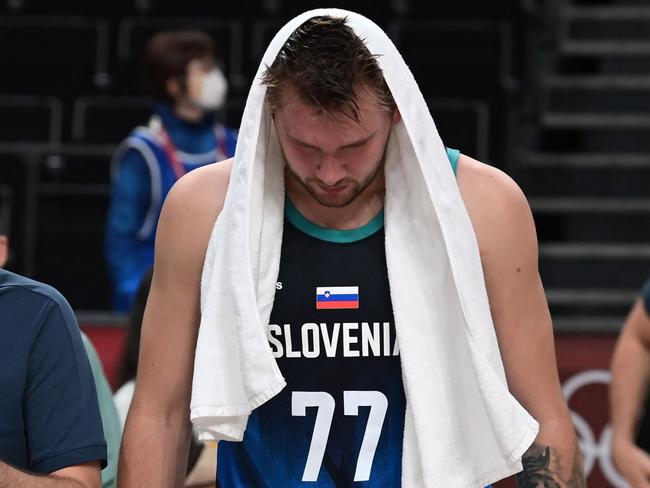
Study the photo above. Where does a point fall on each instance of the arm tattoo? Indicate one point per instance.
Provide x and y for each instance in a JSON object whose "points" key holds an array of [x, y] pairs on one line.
{"points": [[542, 470]]}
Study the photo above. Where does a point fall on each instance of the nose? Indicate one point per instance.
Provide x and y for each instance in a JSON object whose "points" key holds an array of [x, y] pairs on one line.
{"points": [[330, 171]]}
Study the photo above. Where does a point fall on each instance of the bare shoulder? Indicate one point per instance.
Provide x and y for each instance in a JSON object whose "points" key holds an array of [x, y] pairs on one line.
{"points": [[197, 198], [189, 213], [496, 205], [486, 189], [202, 190]]}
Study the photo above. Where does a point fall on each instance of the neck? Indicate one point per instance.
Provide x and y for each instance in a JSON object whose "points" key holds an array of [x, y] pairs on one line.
{"points": [[357, 213], [188, 112]]}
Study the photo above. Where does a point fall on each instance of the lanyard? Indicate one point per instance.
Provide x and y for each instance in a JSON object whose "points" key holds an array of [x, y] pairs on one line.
{"points": [[222, 143], [172, 154]]}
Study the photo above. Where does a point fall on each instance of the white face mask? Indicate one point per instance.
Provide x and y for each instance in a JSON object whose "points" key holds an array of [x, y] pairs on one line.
{"points": [[214, 88]]}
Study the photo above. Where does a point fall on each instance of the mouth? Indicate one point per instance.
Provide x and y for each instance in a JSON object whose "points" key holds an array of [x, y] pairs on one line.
{"points": [[332, 190]]}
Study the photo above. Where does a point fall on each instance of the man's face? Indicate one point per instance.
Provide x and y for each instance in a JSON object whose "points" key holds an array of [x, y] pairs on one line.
{"points": [[333, 157], [195, 73]]}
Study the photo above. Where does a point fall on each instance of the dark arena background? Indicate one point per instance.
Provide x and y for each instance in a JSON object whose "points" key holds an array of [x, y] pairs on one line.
{"points": [[554, 92]]}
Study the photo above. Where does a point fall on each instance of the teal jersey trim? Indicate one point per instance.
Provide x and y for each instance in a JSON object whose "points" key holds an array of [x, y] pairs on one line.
{"points": [[332, 235], [454, 156], [352, 235]]}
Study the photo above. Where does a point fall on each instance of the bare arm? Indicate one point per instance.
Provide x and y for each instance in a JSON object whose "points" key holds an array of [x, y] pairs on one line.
{"points": [[85, 475], [157, 431], [630, 376], [508, 244]]}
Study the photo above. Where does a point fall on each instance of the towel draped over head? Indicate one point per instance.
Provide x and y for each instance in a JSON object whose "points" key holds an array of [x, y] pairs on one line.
{"points": [[463, 428]]}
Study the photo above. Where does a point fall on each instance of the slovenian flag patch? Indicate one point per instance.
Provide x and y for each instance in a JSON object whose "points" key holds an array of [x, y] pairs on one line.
{"points": [[337, 297]]}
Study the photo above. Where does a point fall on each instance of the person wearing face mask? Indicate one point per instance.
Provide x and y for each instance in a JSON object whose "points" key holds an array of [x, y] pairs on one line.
{"points": [[182, 135]]}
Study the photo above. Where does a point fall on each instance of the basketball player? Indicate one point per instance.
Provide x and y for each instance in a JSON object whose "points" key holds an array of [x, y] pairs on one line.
{"points": [[333, 114]]}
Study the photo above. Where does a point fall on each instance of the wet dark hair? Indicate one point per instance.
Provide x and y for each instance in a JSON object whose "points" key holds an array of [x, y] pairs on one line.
{"points": [[325, 62], [167, 55]]}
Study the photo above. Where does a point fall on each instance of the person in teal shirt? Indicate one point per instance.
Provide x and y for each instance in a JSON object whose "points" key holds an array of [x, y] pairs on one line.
{"points": [[110, 418]]}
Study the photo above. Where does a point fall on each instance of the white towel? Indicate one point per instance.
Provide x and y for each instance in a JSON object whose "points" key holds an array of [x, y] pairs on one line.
{"points": [[463, 427]]}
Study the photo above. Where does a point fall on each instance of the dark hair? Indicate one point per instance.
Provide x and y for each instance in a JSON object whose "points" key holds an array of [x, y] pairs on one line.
{"points": [[131, 350], [325, 61], [167, 55]]}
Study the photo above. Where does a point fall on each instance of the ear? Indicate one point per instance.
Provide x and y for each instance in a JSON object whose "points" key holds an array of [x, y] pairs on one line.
{"points": [[4, 250], [173, 87], [397, 116]]}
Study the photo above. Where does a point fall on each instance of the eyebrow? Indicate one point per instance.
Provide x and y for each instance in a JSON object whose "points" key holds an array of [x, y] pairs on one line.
{"points": [[358, 143]]}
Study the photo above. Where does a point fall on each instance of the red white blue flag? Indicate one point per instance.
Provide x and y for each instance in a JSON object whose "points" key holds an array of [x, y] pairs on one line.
{"points": [[337, 297]]}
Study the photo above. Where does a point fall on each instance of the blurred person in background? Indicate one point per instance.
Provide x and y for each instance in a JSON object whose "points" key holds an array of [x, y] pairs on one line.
{"points": [[107, 410], [629, 392], [202, 458], [183, 134]]}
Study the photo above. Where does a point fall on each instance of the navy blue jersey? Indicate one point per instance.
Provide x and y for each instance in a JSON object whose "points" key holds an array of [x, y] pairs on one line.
{"points": [[340, 420]]}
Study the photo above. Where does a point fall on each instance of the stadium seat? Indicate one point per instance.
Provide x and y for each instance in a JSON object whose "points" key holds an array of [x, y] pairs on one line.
{"points": [[90, 166], [456, 58], [101, 8], [463, 59], [261, 35], [108, 119], [241, 9], [72, 198], [457, 9], [53, 55], [30, 119], [462, 124], [69, 250], [374, 9]]}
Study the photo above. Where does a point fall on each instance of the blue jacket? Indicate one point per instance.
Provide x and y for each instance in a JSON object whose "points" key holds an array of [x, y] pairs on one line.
{"points": [[143, 174]]}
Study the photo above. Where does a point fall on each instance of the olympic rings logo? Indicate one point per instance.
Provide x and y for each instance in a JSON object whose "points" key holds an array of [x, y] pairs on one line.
{"points": [[593, 450]]}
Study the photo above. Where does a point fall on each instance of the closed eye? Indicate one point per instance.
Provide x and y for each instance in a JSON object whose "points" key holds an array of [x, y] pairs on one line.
{"points": [[359, 143], [355, 145]]}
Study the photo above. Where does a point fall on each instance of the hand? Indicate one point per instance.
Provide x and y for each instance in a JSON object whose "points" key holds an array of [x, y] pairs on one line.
{"points": [[633, 463]]}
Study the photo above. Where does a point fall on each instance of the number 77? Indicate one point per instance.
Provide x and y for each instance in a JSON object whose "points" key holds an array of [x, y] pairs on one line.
{"points": [[325, 403]]}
